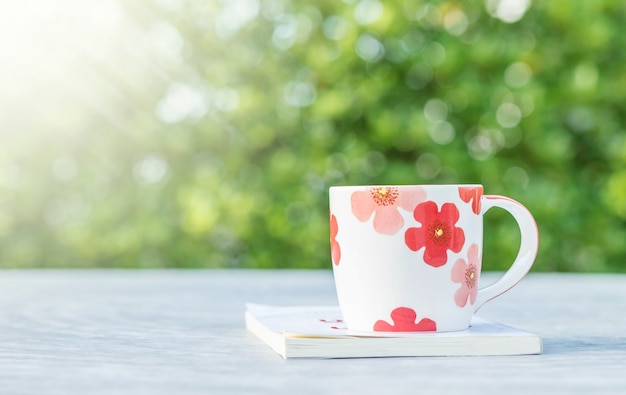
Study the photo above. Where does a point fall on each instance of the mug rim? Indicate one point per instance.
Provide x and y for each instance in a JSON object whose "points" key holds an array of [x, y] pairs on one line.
{"points": [[404, 186]]}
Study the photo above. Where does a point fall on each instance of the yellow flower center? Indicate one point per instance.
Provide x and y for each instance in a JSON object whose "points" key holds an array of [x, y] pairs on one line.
{"points": [[384, 196], [439, 233], [470, 276]]}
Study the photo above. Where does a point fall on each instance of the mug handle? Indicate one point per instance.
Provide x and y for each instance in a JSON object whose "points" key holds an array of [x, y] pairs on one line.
{"points": [[527, 251]]}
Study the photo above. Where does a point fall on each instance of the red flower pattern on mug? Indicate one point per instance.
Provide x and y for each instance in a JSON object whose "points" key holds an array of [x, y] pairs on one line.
{"points": [[472, 194], [404, 321], [335, 249], [384, 202], [467, 273], [437, 234]]}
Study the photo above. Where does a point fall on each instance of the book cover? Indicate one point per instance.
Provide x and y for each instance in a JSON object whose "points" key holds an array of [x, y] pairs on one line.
{"points": [[319, 332]]}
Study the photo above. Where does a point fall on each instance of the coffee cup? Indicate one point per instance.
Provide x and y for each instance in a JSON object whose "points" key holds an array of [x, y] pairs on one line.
{"points": [[408, 258]]}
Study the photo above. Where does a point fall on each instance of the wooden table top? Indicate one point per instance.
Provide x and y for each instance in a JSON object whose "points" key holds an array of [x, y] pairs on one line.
{"points": [[182, 332]]}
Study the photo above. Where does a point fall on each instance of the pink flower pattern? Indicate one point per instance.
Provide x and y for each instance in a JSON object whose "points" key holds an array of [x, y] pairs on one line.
{"points": [[467, 273], [335, 249], [437, 234], [384, 202], [404, 321], [472, 194]]}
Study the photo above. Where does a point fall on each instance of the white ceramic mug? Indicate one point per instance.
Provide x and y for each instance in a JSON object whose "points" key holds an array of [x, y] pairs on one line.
{"points": [[407, 258]]}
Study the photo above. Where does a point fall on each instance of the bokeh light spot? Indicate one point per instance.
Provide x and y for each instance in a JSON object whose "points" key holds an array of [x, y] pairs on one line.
{"points": [[517, 74], [516, 177], [284, 35], [484, 143], [428, 166], [335, 27], [369, 48], [580, 119], [374, 163], [435, 110], [509, 11], [182, 101], [585, 77], [434, 53], [455, 21], [299, 94], [234, 15], [508, 115], [168, 41], [368, 11], [442, 132], [151, 169]]}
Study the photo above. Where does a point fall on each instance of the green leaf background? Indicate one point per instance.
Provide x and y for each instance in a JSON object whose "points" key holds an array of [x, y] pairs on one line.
{"points": [[196, 133]]}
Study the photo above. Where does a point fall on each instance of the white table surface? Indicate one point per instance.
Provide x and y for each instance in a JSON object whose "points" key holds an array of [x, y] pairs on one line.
{"points": [[182, 332]]}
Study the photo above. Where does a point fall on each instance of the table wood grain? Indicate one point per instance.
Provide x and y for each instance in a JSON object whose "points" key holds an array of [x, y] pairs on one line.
{"points": [[182, 332]]}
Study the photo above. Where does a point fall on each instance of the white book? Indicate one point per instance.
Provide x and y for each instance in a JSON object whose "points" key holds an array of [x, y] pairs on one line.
{"points": [[318, 332]]}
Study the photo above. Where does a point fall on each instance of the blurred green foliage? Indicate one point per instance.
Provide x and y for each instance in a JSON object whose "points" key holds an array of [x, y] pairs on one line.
{"points": [[208, 132]]}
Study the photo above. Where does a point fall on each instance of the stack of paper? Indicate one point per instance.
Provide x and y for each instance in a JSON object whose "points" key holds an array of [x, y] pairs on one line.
{"points": [[318, 332]]}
